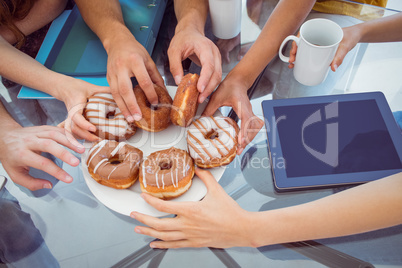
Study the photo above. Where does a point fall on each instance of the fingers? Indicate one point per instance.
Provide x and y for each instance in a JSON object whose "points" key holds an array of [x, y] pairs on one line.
{"points": [[30, 182], [145, 83], [163, 235], [42, 163], [82, 133], [176, 67], [213, 105], [211, 74], [172, 244], [206, 176], [292, 55], [49, 142], [339, 56], [77, 125], [162, 205], [163, 224], [155, 75], [59, 135], [125, 98], [249, 129]]}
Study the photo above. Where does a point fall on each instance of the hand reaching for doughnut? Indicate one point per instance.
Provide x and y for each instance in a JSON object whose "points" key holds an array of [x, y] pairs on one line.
{"points": [[194, 45], [75, 99], [21, 149], [197, 224], [232, 93], [127, 58]]}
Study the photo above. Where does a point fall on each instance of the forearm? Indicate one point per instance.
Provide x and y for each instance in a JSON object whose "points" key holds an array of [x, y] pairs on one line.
{"points": [[105, 19], [191, 14], [21, 68], [367, 207], [387, 29], [280, 24]]}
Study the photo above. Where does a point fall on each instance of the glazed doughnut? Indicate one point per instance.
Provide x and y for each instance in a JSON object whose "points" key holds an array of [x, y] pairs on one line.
{"points": [[185, 101], [212, 141], [114, 164], [167, 174], [154, 119], [101, 110]]}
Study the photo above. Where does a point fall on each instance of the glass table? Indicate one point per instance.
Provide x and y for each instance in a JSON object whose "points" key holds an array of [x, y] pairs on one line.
{"points": [[79, 231]]}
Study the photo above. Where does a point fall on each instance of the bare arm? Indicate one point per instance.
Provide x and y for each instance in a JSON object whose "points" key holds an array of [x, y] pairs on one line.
{"points": [[126, 56], [21, 68], [364, 208], [387, 29], [189, 41], [284, 20], [367, 207]]}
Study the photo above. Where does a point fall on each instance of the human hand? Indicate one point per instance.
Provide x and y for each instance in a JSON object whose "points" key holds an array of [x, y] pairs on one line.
{"points": [[197, 224], [127, 58], [75, 98], [21, 149], [194, 45], [231, 92], [349, 41]]}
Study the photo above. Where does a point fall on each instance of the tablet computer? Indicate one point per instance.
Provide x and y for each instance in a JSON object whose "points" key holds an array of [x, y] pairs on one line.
{"points": [[331, 141]]}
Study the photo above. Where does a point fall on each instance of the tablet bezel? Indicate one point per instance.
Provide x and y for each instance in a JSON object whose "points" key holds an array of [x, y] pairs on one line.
{"points": [[282, 183]]}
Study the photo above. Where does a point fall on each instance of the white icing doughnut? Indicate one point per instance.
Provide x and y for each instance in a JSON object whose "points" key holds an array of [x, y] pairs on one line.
{"points": [[212, 141], [102, 111]]}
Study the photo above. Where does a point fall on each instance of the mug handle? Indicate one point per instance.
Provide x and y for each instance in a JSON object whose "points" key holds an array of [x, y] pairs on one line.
{"points": [[287, 39]]}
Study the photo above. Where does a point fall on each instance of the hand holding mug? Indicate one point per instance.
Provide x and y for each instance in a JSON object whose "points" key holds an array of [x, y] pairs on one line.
{"points": [[316, 47]]}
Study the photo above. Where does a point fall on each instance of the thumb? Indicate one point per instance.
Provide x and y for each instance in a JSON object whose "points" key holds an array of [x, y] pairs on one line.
{"points": [[211, 107], [31, 183], [207, 178], [176, 67]]}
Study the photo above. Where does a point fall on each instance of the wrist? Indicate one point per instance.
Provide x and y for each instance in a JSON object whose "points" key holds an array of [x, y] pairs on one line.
{"points": [[192, 21], [118, 34], [239, 78]]}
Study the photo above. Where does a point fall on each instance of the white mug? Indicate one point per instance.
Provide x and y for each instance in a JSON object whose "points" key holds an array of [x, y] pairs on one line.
{"points": [[316, 48], [225, 17]]}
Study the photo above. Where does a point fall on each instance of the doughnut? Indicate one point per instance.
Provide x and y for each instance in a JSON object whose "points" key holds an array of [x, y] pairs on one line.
{"points": [[101, 110], [156, 118], [167, 174], [114, 164], [212, 141], [185, 101]]}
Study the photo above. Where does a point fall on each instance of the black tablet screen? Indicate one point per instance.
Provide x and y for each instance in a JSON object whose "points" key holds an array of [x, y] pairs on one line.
{"points": [[334, 138]]}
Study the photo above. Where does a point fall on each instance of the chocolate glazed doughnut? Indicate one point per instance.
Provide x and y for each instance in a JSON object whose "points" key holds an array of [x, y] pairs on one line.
{"points": [[156, 118], [114, 164], [167, 174], [185, 101]]}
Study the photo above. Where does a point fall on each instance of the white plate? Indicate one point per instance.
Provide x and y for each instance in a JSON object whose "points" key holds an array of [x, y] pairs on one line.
{"points": [[127, 200]]}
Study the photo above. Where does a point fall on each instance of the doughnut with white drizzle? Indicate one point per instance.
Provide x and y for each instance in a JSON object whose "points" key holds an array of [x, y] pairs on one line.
{"points": [[167, 174], [114, 164]]}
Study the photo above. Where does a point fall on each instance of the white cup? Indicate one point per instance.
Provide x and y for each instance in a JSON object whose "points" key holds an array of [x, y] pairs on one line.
{"points": [[225, 17], [316, 48]]}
